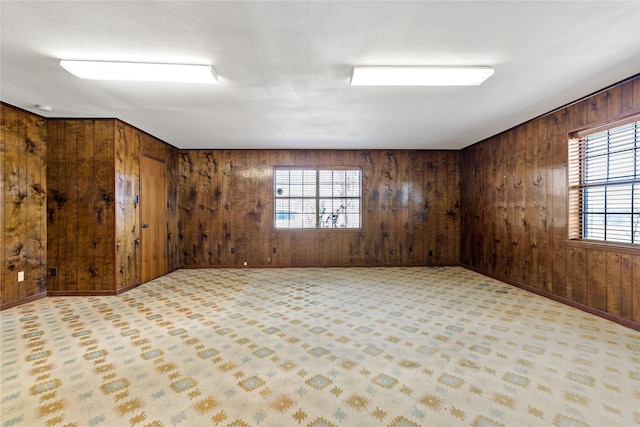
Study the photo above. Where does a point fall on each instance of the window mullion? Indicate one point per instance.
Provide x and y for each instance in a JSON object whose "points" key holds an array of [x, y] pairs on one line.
{"points": [[606, 188], [635, 177], [317, 198]]}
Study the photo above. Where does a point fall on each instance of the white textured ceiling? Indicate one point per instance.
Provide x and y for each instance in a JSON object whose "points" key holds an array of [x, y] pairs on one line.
{"points": [[284, 66]]}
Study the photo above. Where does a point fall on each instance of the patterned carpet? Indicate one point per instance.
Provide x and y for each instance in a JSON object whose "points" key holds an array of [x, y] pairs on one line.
{"points": [[316, 347]]}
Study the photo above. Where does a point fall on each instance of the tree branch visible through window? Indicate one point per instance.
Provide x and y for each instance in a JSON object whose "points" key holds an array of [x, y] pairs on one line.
{"points": [[317, 198]]}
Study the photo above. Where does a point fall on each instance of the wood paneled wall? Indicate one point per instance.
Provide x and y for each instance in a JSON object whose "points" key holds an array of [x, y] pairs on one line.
{"points": [[93, 178], [80, 205], [23, 224], [127, 173], [514, 210], [410, 210]]}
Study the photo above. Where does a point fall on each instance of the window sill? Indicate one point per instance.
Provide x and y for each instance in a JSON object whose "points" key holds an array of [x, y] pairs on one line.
{"points": [[317, 230], [625, 248]]}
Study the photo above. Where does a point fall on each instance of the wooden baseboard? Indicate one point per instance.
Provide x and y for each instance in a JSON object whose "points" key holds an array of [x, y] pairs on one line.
{"points": [[91, 293], [23, 300], [79, 293], [193, 267], [619, 320], [127, 288]]}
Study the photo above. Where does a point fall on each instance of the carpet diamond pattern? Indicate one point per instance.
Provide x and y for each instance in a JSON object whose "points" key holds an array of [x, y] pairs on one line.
{"points": [[316, 347]]}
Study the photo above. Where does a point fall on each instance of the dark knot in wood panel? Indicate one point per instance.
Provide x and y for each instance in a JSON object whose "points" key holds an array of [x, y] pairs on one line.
{"points": [[37, 188], [20, 197], [253, 215], [30, 145], [59, 199], [99, 214], [108, 198]]}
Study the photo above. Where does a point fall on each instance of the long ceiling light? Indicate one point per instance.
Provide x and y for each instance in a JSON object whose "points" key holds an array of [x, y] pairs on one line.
{"points": [[419, 76], [141, 72]]}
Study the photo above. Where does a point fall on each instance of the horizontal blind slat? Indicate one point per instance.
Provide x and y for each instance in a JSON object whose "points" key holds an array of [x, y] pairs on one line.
{"points": [[604, 185]]}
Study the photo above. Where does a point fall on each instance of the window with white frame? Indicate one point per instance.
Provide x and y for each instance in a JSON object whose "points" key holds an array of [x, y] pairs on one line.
{"points": [[604, 183], [328, 197]]}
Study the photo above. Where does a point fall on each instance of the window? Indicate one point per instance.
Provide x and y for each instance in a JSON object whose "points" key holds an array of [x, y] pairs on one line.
{"points": [[604, 184], [317, 198]]}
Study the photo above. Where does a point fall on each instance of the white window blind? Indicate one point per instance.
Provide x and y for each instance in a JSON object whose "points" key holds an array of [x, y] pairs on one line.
{"points": [[605, 185], [317, 198]]}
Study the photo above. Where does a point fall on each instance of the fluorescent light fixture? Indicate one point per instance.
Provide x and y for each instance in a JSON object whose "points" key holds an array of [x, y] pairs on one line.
{"points": [[141, 72], [419, 76]]}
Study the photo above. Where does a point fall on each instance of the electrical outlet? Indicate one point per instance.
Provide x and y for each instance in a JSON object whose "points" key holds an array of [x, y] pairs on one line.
{"points": [[20, 276], [245, 263], [430, 253], [54, 272], [233, 250], [410, 249]]}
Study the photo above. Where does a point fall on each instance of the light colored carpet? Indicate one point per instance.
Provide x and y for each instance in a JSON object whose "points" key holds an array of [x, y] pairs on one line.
{"points": [[317, 347]]}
